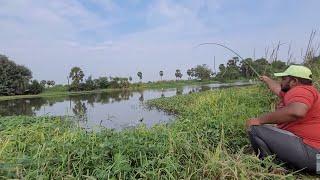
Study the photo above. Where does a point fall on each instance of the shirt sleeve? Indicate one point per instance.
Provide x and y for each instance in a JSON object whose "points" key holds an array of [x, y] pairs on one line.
{"points": [[301, 95]]}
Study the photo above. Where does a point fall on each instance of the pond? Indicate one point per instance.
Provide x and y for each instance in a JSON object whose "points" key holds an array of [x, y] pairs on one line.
{"points": [[115, 110]]}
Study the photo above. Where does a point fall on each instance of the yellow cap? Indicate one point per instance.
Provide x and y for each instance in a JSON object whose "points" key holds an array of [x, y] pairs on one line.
{"points": [[296, 71]]}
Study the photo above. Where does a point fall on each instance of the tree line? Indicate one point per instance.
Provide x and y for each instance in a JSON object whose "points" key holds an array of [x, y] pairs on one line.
{"points": [[17, 79], [236, 69], [80, 83]]}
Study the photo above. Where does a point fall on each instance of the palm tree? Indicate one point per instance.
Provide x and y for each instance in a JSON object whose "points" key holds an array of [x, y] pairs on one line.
{"points": [[140, 75], [189, 72], [178, 74], [51, 83], [43, 83], [76, 74], [161, 74]]}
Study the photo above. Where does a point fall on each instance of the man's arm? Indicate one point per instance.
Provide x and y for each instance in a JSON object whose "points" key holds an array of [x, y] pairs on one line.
{"points": [[273, 85], [292, 112]]}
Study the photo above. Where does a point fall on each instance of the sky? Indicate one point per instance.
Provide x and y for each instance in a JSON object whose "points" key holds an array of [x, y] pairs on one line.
{"points": [[120, 38]]}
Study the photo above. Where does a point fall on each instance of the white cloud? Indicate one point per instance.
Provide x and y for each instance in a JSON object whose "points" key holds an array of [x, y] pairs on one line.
{"points": [[52, 36]]}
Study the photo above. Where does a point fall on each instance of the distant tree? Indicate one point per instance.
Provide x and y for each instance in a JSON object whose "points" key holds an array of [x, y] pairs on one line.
{"points": [[278, 66], [213, 74], [189, 73], [193, 73], [51, 83], [262, 66], [35, 87], [14, 79], [101, 82], [245, 69], [139, 74], [130, 78], [90, 84], [124, 83], [222, 68], [202, 72], [232, 69], [119, 82], [43, 83], [178, 74], [77, 75], [161, 74], [248, 68]]}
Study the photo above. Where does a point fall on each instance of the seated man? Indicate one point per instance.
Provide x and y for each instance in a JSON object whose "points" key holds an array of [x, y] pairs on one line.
{"points": [[295, 139]]}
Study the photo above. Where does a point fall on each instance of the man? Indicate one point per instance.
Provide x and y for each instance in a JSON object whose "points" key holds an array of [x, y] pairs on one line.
{"points": [[295, 137]]}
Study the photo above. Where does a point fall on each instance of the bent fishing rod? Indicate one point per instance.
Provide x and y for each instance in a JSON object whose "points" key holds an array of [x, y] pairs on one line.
{"points": [[234, 52]]}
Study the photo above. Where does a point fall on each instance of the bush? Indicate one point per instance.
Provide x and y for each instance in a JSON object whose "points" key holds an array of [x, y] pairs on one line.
{"points": [[90, 84], [102, 82], [14, 78], [35, 87]]}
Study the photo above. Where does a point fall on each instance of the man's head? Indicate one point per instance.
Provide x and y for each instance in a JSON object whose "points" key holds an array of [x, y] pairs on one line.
{"points": [[293, 76]]}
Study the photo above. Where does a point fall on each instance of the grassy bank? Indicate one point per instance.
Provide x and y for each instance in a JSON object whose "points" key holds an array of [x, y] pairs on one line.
{"points": [[207, 141], [60, 90]]}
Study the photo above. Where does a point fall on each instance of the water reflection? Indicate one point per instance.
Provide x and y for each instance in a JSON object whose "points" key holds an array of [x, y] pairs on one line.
{"points": [[162, 94], [117, 109], [204, 88], [179, 91], [21, 106], [77, 103], [141, 98], [80, 110]]}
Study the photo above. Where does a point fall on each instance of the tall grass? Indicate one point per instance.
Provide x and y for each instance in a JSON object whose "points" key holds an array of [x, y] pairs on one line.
{"points": [[207, 141]]}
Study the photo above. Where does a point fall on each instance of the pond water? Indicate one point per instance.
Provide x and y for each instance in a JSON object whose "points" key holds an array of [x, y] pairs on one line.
{"points": [[115, 110]]}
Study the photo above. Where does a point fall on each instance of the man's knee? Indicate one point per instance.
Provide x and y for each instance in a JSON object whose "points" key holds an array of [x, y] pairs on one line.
{"points": [[259, 145], [267, 131], [252, 130]]}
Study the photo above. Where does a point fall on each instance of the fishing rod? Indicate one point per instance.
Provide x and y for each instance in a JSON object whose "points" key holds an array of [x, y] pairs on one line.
{"points": [[237, 54]]}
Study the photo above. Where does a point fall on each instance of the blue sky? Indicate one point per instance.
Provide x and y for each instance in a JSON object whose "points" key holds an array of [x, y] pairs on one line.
{"points": [[120, 38]]}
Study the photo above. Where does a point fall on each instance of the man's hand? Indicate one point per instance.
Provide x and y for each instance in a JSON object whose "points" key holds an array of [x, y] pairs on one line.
{"points": [[273, 85], [253, 122], [264, 78]]}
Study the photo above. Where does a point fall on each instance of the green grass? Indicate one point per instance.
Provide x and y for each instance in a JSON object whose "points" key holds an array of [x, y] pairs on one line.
{"points": [[207, 141], [170, 84]]}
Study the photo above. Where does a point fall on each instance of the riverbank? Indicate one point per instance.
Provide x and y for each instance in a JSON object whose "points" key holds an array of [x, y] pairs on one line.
{"points": [[207, 141], [60, 90]]}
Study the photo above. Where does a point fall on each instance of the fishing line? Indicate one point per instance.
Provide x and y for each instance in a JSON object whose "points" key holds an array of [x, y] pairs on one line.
{"points": [[234, 52]]}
